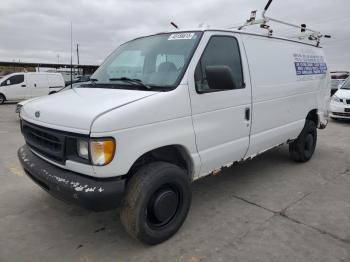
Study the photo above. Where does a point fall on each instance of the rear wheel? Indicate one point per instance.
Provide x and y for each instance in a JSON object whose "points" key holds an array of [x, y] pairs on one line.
{"points": [[156, 203], [2, 99], [302, 149]]}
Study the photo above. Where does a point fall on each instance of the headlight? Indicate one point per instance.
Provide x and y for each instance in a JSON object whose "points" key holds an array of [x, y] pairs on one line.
{"points": [[83, 149], [335, 99], [99, 151], [102, 151]]}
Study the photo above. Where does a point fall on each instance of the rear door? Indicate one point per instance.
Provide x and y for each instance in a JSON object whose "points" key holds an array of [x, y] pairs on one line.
{"points": [[56, 82], [221, 119]]}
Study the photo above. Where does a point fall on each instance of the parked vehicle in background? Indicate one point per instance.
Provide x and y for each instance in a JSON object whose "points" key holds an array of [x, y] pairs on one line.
{"points": [[79, 79], [337, 80], [20, 86], [340, 102]]}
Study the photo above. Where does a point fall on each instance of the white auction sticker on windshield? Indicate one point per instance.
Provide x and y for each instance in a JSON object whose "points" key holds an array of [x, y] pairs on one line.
{"points": [[181, 36]]}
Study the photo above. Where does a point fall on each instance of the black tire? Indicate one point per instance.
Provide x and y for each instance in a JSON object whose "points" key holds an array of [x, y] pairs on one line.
{"points": [[2, 99], [156, 202], [302, 149]]}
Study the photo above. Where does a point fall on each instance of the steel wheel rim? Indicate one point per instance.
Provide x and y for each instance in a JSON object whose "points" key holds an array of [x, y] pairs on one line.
{"points": [[163, 206]]}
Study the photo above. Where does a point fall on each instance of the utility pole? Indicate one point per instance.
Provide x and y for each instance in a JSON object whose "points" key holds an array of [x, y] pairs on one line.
{"points": [[71, 54], [78, 58], [78, 53]]}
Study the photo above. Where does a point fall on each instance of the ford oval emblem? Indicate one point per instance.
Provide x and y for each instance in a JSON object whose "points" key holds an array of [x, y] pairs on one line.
{"points": [[37, 114]]}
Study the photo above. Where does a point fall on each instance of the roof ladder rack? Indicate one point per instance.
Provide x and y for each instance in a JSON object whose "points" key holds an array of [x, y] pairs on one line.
{"points": [[306, 33]]}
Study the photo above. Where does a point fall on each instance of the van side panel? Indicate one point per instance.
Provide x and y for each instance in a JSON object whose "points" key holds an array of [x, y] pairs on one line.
{"points": [[282, 96]]}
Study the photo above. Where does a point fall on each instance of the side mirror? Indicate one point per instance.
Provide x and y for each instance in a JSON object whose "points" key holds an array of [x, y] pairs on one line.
{"points": [[8, 82], [220, 77]]}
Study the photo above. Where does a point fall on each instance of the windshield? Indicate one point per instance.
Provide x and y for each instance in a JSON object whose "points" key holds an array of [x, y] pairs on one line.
{"points": [[346, 85], [154, 61]]}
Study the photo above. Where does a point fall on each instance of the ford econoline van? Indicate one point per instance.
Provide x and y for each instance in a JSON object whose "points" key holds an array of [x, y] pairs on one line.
{"points": [[20, 86], [167, 109]]}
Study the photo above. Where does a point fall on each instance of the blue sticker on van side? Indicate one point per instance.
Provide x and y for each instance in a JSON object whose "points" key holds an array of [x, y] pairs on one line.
{"points": [[309, 65]]}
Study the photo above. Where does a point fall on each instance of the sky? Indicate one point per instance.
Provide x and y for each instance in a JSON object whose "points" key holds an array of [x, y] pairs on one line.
{"points": [[39, 30]]}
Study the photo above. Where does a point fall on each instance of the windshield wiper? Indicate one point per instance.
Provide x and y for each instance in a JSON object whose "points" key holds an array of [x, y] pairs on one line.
{"points": [[132, 81]]}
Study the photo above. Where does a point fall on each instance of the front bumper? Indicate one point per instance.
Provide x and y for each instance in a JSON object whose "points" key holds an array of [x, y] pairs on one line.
{"points": [[91, 193], [337, 110]]}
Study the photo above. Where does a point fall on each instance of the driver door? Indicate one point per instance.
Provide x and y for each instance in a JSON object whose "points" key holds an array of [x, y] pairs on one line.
{"points": [[221, 118]]}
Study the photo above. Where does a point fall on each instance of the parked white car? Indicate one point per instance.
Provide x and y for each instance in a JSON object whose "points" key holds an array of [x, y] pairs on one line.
{"points": [[20, 86], [167, 109], [340, 103], [337, 80]]}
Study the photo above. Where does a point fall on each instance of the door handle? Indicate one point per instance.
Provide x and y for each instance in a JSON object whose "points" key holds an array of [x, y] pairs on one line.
{"points": [[23, 85], [34, 85], [247, 113]]}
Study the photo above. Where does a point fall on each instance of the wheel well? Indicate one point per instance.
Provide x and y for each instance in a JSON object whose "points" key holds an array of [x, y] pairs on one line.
{"points": [[174, 154], [312, 115], [3, 95]]}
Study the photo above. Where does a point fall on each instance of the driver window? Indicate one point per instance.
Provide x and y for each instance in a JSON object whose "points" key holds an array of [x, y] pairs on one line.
{"points": [[221, 50]]}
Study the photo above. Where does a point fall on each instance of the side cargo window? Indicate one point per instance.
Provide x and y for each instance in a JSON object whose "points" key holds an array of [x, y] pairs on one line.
{"points": [[220, 51]]}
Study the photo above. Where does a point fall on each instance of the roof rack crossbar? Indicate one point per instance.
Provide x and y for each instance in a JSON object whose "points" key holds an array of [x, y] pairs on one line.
{"points": [[306, 33]]}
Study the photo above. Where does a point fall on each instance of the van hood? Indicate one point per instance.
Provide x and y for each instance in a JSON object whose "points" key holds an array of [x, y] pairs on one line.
{"points": [[75, 110], [343, 94]]}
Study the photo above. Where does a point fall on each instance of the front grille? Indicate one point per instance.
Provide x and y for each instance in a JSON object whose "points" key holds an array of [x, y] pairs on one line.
{"points": [[341, 114], [18, 108], [50, 143]]}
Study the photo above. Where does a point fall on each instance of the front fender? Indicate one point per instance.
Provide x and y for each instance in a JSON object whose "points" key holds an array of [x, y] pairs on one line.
{"points": [[132, 143]]}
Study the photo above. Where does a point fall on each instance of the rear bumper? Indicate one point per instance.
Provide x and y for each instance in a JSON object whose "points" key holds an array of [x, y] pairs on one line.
{"points": [[88, 192]]}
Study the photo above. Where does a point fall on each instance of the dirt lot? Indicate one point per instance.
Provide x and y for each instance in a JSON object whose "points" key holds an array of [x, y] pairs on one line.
{"points": [[266, 209]]}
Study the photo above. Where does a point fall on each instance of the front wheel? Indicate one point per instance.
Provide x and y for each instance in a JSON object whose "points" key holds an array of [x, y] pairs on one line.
{"points": [[2, 99], [302, 149], [156, 203]]}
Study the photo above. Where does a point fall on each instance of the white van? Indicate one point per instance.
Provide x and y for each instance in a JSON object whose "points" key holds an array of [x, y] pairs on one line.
{"points": [[167, 109], [20, 86]]}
